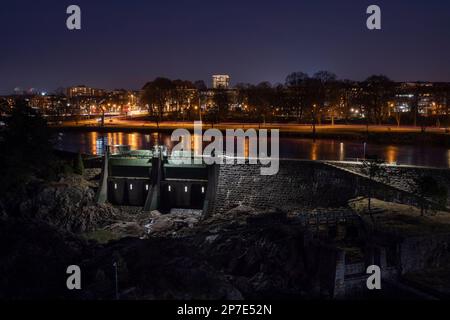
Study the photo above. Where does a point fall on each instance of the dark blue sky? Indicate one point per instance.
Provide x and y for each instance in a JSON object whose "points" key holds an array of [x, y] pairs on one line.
{"points": [[126, 43]]}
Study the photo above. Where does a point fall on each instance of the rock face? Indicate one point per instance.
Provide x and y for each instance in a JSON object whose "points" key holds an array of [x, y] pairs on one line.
{"points": [[68, 204], [171, 224], [257, 254]]}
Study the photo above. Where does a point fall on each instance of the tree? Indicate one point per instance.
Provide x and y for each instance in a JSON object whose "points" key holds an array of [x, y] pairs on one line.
{"points": [[296, 83], [427, 188], [260, 100], [157, 95], [279, 99], [325, 93], [221, 102], [200, 85], [243, 91], [414, 109], [378, 90], [397, 114], [375, 170], [26, 146], [348, 98], [211, 115], [182, 94]]}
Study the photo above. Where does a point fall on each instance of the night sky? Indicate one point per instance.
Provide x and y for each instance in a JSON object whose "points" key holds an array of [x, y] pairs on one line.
{"points": [[123, 44]]}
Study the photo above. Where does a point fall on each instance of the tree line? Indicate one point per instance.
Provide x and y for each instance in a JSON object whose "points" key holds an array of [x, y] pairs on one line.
{"points": [[314, 100]]}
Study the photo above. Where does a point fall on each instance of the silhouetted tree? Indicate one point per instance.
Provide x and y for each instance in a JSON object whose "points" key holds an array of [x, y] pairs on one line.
{"points": [[182, 94], [378, 91], [375, 170], [260, 101], [297, 84], [156, 95], [324, 93], [221, 104], [200, 85], [427, 188], [26, 148], [211, 115]]}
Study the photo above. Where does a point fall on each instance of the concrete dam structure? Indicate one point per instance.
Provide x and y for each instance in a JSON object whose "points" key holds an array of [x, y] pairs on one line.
{"points": [[155, 181], [152, 180]]}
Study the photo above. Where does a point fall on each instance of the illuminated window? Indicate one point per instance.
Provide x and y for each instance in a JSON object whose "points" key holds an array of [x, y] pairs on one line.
{"points": [[131, 186], [146, 187], [169, 188], [185, 188], [115, 186], [203, 189]]}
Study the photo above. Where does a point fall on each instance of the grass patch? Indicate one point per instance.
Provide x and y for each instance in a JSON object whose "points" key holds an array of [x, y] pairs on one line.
{"points": [[101, 236], [403, 219]]}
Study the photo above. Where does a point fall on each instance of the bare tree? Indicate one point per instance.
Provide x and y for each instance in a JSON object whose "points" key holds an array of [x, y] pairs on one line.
{"points": [[296, 83], [156, 95], [375, 170]]}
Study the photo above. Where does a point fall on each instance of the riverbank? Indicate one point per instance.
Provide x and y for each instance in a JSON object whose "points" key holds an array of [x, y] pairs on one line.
{"points": [[374, 134]]}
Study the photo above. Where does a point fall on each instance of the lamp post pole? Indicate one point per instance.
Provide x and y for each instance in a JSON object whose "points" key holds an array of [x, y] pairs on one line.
{"points": [[200, 106]]}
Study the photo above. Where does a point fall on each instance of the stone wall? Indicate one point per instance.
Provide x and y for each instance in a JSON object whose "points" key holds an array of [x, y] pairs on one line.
{"points": [[299, 185]]}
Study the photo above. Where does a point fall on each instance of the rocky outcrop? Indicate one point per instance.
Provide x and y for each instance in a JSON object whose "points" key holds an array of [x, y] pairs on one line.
{"points": [[68, 204], [210, 259]]}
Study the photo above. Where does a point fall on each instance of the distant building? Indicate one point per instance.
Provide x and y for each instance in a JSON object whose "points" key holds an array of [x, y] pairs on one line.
{"points": [[221, 81], [83, 91]]}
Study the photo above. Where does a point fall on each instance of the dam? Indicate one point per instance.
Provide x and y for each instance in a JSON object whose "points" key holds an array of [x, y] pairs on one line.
{"points": [[153, 180]]}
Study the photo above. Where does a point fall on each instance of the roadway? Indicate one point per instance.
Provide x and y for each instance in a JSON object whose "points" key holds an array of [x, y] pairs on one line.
{"points": [[123, 123]]}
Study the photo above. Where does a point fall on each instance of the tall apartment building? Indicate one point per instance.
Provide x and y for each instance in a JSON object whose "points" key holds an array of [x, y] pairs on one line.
{"points": [[221, 81], [83, 91]]}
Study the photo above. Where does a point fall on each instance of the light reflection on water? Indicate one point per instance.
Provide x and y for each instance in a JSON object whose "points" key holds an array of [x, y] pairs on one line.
{"points": [[296, 148]]}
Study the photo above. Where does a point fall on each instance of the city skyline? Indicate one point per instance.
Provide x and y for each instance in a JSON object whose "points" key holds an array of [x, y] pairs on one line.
{"points": [[209, 85], [125, 45]]}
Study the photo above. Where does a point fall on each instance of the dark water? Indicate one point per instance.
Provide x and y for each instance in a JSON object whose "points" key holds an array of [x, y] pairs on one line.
{"points": [[296, 148]]}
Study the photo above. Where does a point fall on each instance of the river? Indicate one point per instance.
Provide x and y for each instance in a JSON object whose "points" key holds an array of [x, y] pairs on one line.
{"points": [[295, 148]]}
